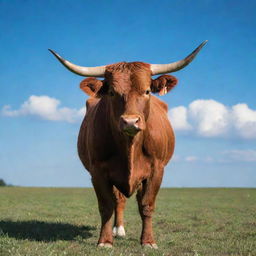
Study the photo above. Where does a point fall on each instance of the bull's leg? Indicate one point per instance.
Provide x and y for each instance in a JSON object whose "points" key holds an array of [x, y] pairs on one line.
{"points": [[146, 197], [118, 229], [106, 203]]}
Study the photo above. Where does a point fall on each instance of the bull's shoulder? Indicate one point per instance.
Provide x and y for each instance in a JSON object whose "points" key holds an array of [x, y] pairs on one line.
{"points": [[158, 116], [159, 137], [158, 104]]}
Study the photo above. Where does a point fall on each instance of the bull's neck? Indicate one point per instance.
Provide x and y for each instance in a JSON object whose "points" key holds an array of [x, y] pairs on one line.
{"points": [[129, 148], [132, 161]]}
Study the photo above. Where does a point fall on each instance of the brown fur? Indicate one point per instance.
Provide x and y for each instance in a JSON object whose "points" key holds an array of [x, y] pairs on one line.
{"points": [[117, 162]]}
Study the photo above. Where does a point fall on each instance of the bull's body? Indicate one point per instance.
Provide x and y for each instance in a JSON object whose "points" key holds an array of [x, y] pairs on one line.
{"points": [[106, 153], [126, 139]]}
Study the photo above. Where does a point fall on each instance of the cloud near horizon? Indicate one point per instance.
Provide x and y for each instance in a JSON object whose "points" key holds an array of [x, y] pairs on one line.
{"points": [[205, 118], [228, 156], [247, 155]]}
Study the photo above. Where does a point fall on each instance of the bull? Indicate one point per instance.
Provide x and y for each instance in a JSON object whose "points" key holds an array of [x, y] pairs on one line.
{"points": [[126, 139]]}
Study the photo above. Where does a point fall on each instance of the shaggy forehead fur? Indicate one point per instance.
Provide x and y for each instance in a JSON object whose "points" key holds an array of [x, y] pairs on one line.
{"points": [[125, 77]]}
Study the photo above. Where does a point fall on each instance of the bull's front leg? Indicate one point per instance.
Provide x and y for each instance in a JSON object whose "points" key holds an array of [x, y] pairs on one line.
{"points": [[118, 229], [146, 197], [106, 203]]}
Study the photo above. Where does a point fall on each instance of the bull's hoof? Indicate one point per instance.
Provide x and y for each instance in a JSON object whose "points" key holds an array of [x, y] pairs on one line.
{"points": [[118, 231], [105, 245], [151, 246]]}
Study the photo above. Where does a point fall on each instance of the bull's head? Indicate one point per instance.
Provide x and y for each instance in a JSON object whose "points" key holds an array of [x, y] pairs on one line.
{"points": [[127, 87]]}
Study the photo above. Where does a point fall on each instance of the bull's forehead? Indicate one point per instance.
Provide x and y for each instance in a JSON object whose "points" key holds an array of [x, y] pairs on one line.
{"points": [[125, 77]]}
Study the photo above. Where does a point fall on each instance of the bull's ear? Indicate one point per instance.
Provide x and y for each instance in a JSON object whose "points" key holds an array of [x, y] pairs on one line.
{"points": [[163, 84], [93, 87]]}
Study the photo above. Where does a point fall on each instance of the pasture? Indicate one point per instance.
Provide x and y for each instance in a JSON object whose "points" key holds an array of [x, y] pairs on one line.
{"points": [[65, 221]]}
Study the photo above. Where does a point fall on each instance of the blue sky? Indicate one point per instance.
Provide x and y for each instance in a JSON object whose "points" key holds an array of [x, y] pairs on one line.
{"points": [[213, 108]]}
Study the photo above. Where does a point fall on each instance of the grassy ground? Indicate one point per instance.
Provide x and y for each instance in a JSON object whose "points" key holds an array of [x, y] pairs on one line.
{"points": [[56, 221]]}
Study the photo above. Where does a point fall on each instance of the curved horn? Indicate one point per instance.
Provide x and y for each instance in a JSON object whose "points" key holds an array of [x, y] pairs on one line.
{"points": [[157, 69], [82, 71]]}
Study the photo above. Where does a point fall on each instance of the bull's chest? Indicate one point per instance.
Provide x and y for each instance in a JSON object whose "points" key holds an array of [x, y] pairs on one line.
{"points": [[127, 174]]}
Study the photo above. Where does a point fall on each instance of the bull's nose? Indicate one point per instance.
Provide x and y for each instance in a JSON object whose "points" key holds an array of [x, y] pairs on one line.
{"points": [[130, 121], [130, 124]]}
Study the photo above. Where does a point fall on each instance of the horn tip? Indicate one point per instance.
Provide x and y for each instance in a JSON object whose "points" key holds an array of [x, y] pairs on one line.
{"points": [[52, 51], [204, 42], [56, 55], [200, 47]]}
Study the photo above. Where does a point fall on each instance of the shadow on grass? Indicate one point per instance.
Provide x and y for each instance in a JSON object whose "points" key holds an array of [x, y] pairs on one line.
{"points": [[44, 231]]}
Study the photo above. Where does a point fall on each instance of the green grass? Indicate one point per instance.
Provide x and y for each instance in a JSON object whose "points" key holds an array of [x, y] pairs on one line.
{"points": [[65, 221]]}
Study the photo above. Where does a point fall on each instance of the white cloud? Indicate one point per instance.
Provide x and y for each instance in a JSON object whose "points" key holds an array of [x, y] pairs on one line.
{"points": [[209, 118], [239, 156], [179, 118], [228, 156], [244, 120], [178, 158], [191, 158], [46, 108]]}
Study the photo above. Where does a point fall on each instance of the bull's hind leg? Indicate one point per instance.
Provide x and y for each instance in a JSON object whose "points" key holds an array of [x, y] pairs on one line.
{"points": [[146, 197], [118, 229], [106, 203]]}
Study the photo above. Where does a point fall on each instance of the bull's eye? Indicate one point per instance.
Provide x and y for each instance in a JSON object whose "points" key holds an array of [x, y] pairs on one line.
{"points": [[147, 92], [111, 93]]}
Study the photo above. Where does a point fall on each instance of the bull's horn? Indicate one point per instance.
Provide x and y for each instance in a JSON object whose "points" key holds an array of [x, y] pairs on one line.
{"points": [[157, 69], [82, 71]]}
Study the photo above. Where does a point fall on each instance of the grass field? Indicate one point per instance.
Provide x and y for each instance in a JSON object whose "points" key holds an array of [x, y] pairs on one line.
{"points": [[65, 221]]}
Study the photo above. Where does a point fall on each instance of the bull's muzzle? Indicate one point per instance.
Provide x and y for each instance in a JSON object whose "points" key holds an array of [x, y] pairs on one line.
{"points": [[130, 124]]}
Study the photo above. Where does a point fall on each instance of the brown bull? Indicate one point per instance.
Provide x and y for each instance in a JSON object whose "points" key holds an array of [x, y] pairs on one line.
{"points": [[125, 139]]}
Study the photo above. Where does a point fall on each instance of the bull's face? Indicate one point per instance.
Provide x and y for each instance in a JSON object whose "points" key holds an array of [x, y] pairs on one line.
{"points": [[127, 88], [129, 96]]}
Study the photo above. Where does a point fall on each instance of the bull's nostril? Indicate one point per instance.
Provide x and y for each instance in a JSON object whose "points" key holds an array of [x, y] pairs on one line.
{"points": [[131, 121], [130, 124]]}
